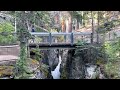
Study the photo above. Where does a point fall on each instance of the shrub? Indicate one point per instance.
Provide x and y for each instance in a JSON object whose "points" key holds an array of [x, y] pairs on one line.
{"points": [[112, 49], [7, 38]]}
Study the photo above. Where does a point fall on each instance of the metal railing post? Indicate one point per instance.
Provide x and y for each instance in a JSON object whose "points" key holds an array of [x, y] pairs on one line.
{"points": [[72, 40], [50, 39]]}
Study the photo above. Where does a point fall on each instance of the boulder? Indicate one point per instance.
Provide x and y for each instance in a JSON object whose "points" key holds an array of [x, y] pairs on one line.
{"points": [[6, 71]]}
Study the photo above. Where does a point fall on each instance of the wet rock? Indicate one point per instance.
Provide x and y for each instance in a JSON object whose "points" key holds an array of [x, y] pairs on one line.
{"points": [[94, 72], [74, 62], [63, 69], [32, 65], [77, 68], [37, 75], [35, 69], [50, 58], [53, 58], [72, 66]]}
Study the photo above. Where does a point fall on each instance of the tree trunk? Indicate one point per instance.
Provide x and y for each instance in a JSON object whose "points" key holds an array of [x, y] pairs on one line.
{"points": [[92, 27], [98, 29], [70, 24], [29, 29], [15, 23], [83, 21], [77, 24], [63, 26]]}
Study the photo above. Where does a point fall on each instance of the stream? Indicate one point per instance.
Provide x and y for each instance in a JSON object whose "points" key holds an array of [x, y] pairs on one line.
{"points": [[91, 71]]}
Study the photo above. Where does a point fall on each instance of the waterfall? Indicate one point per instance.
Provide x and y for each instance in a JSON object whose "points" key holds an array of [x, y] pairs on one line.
{"points": [[56, 72]]}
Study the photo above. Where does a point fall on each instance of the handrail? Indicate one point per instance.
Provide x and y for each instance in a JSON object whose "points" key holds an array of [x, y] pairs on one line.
{"points": [[56, 33], [51, 34]]}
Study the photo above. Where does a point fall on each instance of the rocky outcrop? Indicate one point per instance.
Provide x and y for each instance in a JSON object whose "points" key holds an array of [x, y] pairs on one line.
{"points": [[50, 58], [32, 70], [53, 58], [72, 66], [6, 71], [77, 69], [94, 72], [64, 58], [74, 62]]}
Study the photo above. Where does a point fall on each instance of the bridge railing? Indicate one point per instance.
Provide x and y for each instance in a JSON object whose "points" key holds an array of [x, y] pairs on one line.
{"points": [[55, 37]]}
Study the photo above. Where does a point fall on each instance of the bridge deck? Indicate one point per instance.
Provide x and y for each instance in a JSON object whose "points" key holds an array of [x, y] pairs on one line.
{"points": [[53, 45]]}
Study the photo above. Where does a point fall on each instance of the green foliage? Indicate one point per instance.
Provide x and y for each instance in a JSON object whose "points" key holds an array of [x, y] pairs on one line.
{"points": [[112, 70], [112, 49], [80, 43], [21, 63], [6, 37], [38, 56], [64, 74], [6, 27]]}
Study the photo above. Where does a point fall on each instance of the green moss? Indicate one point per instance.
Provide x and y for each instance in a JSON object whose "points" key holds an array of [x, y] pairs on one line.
{"points": [[32, 62], [99, 62], [6, 70], [64, 74], [44, 69], [24, 76]]}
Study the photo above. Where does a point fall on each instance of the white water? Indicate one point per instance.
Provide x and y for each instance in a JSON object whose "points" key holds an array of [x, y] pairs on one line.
{"points": [[56, 72], [93, 71], [90, 71]]}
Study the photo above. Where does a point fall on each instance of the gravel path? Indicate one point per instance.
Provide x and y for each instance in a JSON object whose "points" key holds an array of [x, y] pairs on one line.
{"points": [[9, 53], [8, 57]]}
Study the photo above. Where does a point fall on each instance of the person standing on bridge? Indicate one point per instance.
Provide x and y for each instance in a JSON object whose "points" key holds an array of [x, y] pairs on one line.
{"points": [[33, 30]]}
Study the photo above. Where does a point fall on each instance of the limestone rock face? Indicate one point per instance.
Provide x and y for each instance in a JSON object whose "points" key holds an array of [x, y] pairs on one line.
{"points": [[53, 59], [50, 58], [38, 72], [75, 61], [64, 56]]}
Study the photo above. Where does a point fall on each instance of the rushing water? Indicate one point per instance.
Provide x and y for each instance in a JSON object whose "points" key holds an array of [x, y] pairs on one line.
{"points": [[90, 71], [93, 72], [56, 72]]}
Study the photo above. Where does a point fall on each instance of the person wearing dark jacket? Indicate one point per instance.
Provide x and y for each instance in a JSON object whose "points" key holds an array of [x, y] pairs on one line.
{"points": [[33, 30]]}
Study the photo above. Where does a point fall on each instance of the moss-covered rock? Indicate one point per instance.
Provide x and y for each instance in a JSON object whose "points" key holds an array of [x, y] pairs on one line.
{"points": [[6, 70], [38, 69], [63, 74]]}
